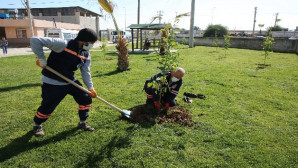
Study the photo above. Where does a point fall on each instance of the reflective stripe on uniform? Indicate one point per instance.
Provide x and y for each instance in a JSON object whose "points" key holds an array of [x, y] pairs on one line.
{"points": [[174, 92], [42, 116], [149, 96], [75, 54], [85, 107]]}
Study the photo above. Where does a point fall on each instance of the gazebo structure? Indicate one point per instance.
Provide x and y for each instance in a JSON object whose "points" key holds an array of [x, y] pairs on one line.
{"points": [[141, 27]]}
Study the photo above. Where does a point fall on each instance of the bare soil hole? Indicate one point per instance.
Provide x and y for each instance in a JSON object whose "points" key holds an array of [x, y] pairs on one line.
{"points": [[176, 115]]}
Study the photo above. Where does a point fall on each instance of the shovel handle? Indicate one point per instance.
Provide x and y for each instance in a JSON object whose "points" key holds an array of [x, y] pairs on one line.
{"points": [[80, 87]]}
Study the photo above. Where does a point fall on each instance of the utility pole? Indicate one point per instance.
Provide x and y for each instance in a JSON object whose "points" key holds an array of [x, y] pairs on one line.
{"points": [[212, 15], [125, 20], [138, 23], [191, 36], [159, 15], [275, 23], [30, 18], [253, 29]]}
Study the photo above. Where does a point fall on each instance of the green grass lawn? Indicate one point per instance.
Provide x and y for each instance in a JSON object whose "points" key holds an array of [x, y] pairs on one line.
{"points": [[250, 114]]}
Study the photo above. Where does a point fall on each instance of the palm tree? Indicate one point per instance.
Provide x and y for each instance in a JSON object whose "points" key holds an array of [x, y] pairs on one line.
{"points": [[260, 26], [122, 51]]}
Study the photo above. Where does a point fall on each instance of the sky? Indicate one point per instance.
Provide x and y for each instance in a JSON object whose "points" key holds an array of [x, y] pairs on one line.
{"points": [[234, 14]]}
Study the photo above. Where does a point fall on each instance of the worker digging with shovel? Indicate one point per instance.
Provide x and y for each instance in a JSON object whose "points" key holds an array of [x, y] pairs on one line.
{"points": [[64, 58]]}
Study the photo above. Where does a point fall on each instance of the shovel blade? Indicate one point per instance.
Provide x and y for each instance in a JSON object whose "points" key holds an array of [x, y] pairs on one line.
{"points": [[126, 113]]}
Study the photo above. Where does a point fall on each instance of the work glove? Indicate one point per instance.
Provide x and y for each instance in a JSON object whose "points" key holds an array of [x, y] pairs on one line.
{"points": [[92, 93], [41, 63], [156, 105]]}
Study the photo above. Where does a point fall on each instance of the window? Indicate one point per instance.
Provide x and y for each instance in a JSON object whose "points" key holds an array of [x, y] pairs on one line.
{"points": [[53, 35], [67, 12], [49, 12], [67, 36], [21, 33]]}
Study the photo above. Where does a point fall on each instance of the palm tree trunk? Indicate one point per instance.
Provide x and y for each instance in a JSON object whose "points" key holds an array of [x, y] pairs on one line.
{"points": [[122, 52]]}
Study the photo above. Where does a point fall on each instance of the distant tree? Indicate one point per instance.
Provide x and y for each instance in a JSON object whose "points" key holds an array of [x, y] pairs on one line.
{"points": [[260, 26], [217, 30], [276, 22], [196, 28], [276, 28]]}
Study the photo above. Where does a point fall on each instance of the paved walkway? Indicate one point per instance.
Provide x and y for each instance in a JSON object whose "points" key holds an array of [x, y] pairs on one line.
{"points": [[17, 51]]}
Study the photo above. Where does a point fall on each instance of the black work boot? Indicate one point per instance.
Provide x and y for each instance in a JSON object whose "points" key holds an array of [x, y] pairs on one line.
{"points": [[85, 126], [37, 130]]}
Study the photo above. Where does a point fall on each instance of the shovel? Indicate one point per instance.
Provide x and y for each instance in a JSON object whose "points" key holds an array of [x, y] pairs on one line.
{"points": [[125, 113]]}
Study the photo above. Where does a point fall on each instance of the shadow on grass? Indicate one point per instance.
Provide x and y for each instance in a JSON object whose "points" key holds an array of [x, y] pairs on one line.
{"points": [[106, 152], [22, 144], [140, 52], [150, 58], [19, 87], [111, 54], [107, 74], [259, 67]]}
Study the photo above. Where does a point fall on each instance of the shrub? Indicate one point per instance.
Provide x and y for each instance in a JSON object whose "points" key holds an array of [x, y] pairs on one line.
{"points": [[219, 30]]}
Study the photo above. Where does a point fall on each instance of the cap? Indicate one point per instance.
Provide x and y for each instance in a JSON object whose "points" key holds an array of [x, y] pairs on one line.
{"points": [[87, 35]]}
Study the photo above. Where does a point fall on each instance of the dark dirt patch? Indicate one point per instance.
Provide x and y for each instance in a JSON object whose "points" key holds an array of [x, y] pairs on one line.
{"points": [[213, 52], [176, 115], [263, 65]]}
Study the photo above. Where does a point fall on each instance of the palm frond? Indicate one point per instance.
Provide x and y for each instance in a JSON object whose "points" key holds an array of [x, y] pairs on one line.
{"points": [[182, 15], [106, 5]]}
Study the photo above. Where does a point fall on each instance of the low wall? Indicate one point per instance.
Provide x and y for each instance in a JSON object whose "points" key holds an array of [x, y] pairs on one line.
{"points": [[18, 42], [279, 45]]}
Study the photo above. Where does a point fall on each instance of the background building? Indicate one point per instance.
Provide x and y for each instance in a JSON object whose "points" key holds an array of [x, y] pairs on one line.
{"points": [[15, 24]]}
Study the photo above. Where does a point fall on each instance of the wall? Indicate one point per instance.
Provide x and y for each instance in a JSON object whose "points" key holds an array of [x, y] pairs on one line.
{"points": [[14, 23], [280, 44], [88, 22], [284, 33], [48, 24], [11, 25], [19, 42], [39, 32], [10, 32], [64, 19]]}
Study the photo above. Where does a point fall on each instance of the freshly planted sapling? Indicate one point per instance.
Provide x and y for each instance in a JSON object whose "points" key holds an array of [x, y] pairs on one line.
{"points": [[167, 60], [267, 47], [227, 43], [215, 42]]}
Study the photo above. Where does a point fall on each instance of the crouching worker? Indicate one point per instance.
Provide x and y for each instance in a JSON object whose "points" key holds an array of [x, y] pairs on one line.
{"points": [[172, 86], [65, 58]]}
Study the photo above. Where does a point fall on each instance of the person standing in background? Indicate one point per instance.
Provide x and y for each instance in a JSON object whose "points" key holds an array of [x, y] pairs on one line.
{"points": [[4, 44]]}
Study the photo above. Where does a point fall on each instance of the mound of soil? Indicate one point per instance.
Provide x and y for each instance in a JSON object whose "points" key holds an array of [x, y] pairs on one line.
{"points": [[176, 115]]}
